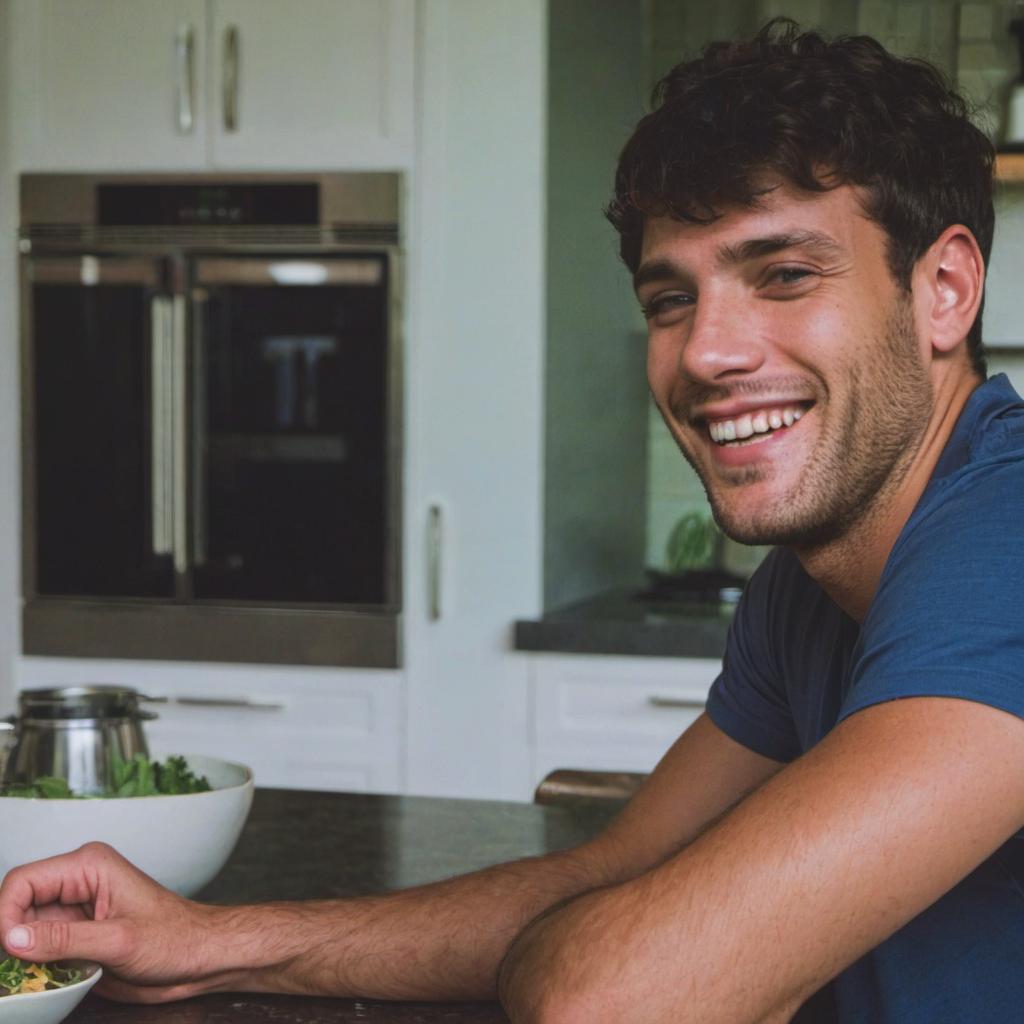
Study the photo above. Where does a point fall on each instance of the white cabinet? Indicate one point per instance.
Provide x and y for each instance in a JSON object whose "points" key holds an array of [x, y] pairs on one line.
{"points": [[96, 83], [613, 713], [474, 366], [179, 84], [319, 83], [296, 728]]}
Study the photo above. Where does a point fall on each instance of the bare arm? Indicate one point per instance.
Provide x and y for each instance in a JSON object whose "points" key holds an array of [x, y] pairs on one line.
{"points": [[440, 941], [822, 863]]}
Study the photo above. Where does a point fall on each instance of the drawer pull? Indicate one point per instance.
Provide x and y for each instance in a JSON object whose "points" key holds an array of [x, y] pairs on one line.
{"points": [[675, 702], [229, 702]]}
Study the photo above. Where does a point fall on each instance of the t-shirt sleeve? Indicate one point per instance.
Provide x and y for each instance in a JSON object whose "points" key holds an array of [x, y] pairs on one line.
{"points": [[948, 618], [748, 699]]}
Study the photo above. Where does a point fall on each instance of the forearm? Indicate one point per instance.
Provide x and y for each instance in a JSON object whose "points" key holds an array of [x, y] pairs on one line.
{"points": [[568, 967], [440, 941]]}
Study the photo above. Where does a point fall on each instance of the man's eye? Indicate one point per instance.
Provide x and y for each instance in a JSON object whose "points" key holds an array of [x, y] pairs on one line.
{"points": [[788, 275], [666, 304]]}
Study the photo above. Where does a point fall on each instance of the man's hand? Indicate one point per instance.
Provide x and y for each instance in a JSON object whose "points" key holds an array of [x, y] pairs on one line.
{"points": [[444, 941], [95, 905]]}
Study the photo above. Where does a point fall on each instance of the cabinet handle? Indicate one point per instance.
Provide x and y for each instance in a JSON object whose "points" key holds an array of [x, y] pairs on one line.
{"points": [[230, 80], [675, 702], [230, 702], [161, 430], [184, 49], [180, 435], [434, 542]]}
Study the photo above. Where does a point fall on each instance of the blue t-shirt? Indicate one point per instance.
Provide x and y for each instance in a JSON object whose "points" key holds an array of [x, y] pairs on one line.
{"points": [[947, 620]]}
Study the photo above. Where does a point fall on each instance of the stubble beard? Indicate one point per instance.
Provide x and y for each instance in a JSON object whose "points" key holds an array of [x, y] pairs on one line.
{"points": [[855, 465]]}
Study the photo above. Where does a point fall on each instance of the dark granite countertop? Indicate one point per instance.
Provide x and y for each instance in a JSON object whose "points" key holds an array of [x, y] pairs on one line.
{"points": [[302, 845], [620, 622]]}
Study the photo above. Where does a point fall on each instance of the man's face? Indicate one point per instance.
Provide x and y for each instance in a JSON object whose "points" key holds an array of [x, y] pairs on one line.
{"points": [[784, 360]]}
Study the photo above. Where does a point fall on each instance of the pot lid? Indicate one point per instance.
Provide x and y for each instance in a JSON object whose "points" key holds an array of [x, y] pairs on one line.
{"points": [[89, 701]]}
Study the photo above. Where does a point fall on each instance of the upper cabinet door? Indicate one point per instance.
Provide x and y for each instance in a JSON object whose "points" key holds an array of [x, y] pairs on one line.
{"points": [[105, 84], [311, 83]]}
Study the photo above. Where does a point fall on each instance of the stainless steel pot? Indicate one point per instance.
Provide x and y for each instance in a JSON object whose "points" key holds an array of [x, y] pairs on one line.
{"points": [[75, 733]]}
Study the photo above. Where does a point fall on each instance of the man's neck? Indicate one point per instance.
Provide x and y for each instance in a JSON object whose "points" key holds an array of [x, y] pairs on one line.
{"points": [[849, 568]]}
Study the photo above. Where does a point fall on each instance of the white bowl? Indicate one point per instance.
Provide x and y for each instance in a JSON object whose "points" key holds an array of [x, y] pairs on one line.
{"points": [[48, 1007], [181, 841]]}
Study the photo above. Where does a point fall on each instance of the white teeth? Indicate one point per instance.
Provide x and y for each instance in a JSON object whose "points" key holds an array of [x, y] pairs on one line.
{"points": [[744, 427], [748, 424]]}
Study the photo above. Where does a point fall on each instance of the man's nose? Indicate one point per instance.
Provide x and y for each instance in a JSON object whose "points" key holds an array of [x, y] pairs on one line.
{"points": [[722, 342]]}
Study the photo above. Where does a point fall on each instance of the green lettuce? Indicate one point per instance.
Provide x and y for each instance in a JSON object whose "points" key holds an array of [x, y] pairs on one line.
{"points": [[19, 976], [138, 777]]}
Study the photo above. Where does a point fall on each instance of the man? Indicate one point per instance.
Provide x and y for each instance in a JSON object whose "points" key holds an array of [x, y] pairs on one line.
{"points": [[807, 223]]}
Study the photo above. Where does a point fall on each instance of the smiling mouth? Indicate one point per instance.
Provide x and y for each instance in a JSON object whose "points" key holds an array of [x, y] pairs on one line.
{"points": [[754, 426]]}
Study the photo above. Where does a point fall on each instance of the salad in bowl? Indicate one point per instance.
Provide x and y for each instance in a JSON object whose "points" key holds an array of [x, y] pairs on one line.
{"points": [[32, 993]]}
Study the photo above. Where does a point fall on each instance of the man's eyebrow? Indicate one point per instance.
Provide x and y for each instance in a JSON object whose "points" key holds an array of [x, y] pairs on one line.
{"points": [[815, 243], [655, 270]]}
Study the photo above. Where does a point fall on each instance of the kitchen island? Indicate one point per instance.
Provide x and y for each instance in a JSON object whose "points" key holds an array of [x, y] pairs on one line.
{"points": [[306, 845]]}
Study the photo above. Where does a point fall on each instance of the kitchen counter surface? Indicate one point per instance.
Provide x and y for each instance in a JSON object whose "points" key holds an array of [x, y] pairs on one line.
{"points": [[304, 845], [621, 623]]}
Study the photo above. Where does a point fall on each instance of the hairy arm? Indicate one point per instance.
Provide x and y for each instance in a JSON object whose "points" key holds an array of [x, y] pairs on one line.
{"points": [[440, 941], [819, 865]]}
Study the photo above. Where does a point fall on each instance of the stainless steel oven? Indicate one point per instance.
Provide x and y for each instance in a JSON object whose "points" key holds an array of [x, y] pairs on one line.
{"points": [[211, 404]]}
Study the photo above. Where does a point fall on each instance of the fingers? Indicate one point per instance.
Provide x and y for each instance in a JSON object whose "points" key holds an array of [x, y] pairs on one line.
{"points": [[94, 905], [40, 901], [110, 942], [79, 878]]}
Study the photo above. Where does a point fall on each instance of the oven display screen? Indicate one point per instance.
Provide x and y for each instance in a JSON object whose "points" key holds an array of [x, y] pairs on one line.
{"points": [[208, 204]]}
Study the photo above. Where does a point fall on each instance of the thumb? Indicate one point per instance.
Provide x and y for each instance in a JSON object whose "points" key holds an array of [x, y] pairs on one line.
{"points": [[105, 941]]}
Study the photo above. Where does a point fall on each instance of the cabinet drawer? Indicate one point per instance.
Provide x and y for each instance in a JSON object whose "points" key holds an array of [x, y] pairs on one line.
{"points": [[618, 700], [304, 733]]}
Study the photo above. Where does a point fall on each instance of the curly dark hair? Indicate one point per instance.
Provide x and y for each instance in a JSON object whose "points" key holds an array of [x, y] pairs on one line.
{"points": [[817, 113]]}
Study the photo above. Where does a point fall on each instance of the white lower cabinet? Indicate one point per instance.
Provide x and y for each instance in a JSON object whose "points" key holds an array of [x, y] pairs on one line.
{"points": [[295, 728], [612, 713]]}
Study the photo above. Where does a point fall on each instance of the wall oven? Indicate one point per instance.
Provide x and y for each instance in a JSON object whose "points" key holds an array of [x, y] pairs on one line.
{"points": [[210, 422]]}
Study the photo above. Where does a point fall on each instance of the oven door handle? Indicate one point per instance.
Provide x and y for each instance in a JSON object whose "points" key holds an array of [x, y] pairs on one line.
{"points": [[200, 426], [161, 426], [179, 445]]}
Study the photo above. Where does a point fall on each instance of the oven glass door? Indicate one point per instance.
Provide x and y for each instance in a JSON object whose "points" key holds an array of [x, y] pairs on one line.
{"points": [[100, 349], [289, 367]]}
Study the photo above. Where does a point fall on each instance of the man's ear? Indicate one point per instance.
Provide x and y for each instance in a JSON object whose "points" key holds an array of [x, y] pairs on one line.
{"points": [[948, 283]]}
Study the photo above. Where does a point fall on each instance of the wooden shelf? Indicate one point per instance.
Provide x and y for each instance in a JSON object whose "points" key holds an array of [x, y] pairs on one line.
{"points": [[1010, 167]]}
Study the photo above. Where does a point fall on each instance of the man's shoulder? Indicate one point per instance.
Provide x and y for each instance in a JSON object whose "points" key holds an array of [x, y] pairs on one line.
{"points": [[994, 424]]}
